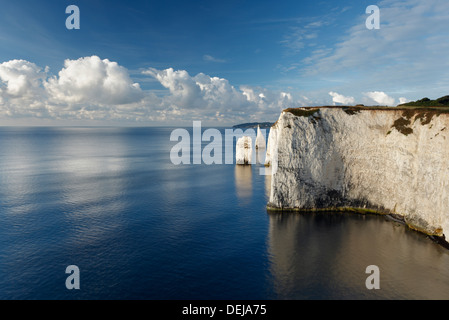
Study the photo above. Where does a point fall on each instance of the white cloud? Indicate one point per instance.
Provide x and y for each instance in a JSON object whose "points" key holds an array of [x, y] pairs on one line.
{"points": [[403, 100], [299, 38], [408, 51], [202, 95], [218, 93], [286, 95], [209, 97], [210, 58], [21, 90], [95, 81], [92, 88], [87, 88], [184, 90], [21, 78], [380, 98], [341, 99]]}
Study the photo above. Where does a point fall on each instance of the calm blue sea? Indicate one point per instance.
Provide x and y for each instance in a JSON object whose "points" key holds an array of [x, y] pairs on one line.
{"points": [[110, 201]]}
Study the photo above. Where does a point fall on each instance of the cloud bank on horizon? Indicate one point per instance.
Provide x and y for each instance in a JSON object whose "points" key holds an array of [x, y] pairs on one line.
{"points": [[99, 89], [372, 67]]}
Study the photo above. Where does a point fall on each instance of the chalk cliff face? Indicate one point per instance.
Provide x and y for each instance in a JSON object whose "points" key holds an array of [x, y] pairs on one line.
{"points": [[260, 139], [244, 150], [272, 144], [386, 160]]}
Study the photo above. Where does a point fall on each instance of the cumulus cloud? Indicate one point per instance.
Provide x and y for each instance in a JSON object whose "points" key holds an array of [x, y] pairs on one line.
{"points": [[87, 88], [380, 98], [403, 100], [341, 99], [21, 78], [21, 90], [184, 91], [95, 81], [92, 88], [213, 97], [200, 92]]}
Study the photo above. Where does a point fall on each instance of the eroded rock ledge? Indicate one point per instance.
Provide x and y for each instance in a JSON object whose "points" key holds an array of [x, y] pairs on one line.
{"points": [[364, 159]]}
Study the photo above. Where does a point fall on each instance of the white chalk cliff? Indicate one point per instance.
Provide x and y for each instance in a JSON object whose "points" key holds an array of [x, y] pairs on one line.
{"points": [[384, 160], [244, 150], [260, 139], [271, 144]]}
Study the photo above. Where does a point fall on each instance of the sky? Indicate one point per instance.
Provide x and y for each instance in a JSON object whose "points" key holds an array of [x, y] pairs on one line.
{"points": [[220, 62]]}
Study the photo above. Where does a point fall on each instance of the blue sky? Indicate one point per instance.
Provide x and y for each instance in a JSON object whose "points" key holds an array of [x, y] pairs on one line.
{"points": [[223, 62]]}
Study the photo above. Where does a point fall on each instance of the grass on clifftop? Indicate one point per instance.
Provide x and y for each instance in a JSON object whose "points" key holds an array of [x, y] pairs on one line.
{"points": [[426, 102], [351, 110], [302, 112], [410, 114]]}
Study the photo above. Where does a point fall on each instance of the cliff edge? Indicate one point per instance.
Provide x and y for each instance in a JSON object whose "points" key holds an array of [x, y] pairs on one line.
{"points": [[366, 159]]}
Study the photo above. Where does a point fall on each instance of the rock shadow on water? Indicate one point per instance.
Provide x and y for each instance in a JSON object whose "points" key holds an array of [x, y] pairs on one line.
{"points": [[324, 255], [243, 176]]}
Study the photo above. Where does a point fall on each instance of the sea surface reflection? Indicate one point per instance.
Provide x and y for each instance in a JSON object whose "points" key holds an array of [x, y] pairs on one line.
{"points": [[110, 201], [325, 256]]}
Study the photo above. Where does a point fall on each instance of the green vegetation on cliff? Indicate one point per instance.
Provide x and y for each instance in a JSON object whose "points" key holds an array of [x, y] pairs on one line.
{"points": [[426, 102], [302, 112]]}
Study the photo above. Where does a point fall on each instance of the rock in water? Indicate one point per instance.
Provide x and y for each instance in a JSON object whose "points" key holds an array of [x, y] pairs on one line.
{"points": [[260, 139], [384, 160], [244, 150], [272, 144]]}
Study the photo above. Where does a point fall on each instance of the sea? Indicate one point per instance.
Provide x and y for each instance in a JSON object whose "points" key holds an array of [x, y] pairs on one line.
{"points": [[111, 202]]}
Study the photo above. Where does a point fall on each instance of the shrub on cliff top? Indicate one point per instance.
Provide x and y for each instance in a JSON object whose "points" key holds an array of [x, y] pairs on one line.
{"points": [[426, 102], [302, 112]]}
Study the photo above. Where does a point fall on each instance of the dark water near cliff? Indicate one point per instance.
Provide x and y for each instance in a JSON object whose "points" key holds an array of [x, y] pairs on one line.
{"points": [[110, 201]]}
